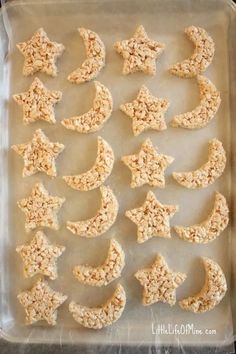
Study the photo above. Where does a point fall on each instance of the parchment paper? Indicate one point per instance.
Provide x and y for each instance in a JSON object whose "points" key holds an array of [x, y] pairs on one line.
{"points": [[115, 20]]}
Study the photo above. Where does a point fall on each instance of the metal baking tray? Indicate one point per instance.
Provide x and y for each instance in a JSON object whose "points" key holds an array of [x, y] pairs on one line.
{"points": [[114, 20]]}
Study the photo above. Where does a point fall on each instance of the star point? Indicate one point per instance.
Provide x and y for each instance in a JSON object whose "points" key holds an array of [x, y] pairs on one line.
{"points": [[152, 218], [147, 167], [146, 111], [39, 154], [40, 54], [41, 303], [40, 208], [159, 282], [139, 52], [40, 256], [38, 103]]}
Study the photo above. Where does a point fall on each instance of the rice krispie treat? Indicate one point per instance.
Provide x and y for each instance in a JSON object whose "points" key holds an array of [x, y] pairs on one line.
{"points": [[41, 303], [102, 221], [95, 51], [209, 103], [39, 154], [40, 208], [102, 316], [152, 218], [38, 103], [107, 272], [40, 54], [94, 119], [100, 171], [139, 52], [202, 56], [159, 282], [209, 229], [212, 292], [146, 111], [208, 172], [40, 256], [147, 167]]}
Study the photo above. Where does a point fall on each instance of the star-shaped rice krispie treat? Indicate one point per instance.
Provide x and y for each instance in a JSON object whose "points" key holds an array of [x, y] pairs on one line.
{"points": [[152, 218], [147, 167], [139, 52], [40, 256], [40, 208], [39, 154], [40, 54], [159, 282], [41, 303], [146, 111], [38, 103]]}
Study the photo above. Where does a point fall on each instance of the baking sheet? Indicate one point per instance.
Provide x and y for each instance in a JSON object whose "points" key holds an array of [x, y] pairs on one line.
{"points": [[114, 20]]}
